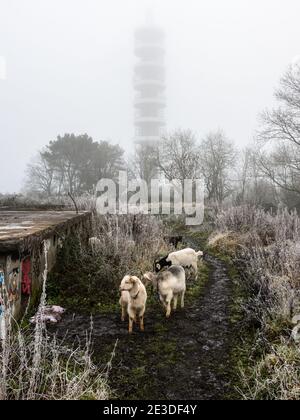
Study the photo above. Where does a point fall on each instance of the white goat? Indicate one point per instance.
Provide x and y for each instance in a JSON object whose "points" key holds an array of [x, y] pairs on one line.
{"points": [[186, 257], [170, 284], [133, 300]]}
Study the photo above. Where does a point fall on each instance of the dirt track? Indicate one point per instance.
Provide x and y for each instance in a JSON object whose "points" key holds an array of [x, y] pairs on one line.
{"points": [[185, 357]]}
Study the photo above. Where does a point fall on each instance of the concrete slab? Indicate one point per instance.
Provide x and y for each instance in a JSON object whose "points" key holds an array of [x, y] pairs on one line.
{"points": [[16, 227]]}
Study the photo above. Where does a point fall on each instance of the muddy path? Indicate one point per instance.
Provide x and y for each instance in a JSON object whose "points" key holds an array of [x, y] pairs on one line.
{"points": [[188, 356]]}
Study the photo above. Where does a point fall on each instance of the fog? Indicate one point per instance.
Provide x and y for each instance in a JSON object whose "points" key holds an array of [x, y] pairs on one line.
{"points": [[69, 68]]}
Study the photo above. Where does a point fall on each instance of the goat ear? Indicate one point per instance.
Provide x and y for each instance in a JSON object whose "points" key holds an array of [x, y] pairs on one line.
{"points": [[134, 279]]}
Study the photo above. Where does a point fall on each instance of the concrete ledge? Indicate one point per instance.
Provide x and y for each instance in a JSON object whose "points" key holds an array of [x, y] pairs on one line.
{"points": [[20, 230]]}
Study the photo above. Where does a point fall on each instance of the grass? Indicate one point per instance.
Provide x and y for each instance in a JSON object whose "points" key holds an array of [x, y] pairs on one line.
{"points": [[157, 347], [264, 250], [195, 288], [81, 294]]}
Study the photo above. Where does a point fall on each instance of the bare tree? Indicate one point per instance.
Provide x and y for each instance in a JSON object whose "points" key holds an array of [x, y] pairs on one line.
{"points": [[40, 176], [144, 164], [179, 155], [217, 160], [281, 129], [281, 166], [283, 123], [243, 174]]}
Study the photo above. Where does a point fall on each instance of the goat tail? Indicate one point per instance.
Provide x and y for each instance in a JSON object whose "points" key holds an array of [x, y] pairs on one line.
{"points": [[199, 254]]}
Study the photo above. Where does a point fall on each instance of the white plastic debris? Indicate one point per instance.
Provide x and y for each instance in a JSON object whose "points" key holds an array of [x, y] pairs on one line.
{"points": [[296, 319], [2, 328], [2, 319], [296, 334], [60, 310], [49, 315]]}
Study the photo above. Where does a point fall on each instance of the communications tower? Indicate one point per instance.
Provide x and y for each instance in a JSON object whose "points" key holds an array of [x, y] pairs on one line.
{"points": [[149, 84]]}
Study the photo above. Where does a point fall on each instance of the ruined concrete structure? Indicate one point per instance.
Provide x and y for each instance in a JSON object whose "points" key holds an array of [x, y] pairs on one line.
{"points": [[22, 257]]}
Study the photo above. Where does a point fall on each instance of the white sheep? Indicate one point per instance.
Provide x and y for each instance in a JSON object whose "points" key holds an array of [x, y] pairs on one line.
{"points": [[186, 258], [170, 284], [133, 300]]}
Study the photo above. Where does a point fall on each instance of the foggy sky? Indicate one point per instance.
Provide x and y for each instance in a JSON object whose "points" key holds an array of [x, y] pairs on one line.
{"points": [[70, 69]]}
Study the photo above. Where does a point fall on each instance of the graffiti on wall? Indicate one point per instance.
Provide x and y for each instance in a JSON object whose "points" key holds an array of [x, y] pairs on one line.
{"points": [[13, 289], [26, 276], [13, 283], [2, 318], [1, 277], [1, 292]]}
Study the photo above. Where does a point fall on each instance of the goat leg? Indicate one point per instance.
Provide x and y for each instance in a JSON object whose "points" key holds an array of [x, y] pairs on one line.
{"points": [[175, 302], [182, 299], [142, 323], [168, 309], [130, 325], [124, 310]]}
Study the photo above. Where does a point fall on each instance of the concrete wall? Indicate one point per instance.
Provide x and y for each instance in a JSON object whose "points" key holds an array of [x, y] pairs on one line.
{"points": [[22, 274]]}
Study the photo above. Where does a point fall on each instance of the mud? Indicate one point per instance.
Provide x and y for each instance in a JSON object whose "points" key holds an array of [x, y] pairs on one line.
{"points": [[188, 356]]}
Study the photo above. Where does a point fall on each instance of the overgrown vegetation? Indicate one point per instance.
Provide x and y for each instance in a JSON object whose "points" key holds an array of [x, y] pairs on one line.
{"points": [[37, 366], [266, 249], [88, 279], [20, 201], [128, 244], [36, 201]]}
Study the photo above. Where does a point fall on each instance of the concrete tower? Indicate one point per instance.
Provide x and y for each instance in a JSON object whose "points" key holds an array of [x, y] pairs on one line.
{"points": [[149, 84]]}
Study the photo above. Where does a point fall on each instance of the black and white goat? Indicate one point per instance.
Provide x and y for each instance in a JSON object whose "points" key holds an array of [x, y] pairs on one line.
{"points": [[186, 258]]}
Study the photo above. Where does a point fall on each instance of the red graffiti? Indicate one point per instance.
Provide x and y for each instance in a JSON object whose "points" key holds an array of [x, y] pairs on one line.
{"points": [[26, 277]]}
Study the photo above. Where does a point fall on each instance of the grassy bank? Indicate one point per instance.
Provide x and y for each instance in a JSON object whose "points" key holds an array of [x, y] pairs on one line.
{"points": [[262, 248]]}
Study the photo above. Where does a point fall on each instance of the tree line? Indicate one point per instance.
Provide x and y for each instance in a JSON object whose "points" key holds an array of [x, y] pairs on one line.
{"points": [[266, 173], [73, 164]]}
